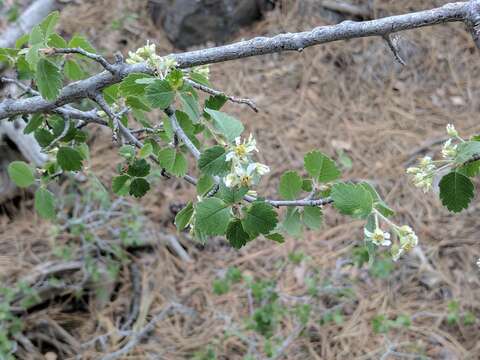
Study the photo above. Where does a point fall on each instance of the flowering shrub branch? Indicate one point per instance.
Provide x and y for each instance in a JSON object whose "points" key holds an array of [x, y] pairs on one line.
{"points": [[227, 202]]}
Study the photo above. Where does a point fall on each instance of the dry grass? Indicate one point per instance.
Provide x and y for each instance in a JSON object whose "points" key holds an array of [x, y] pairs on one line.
{"points": [[349, 95]]}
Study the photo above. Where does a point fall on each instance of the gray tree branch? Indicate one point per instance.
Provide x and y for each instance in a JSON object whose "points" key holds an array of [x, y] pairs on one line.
{"points": [[466, 12]]}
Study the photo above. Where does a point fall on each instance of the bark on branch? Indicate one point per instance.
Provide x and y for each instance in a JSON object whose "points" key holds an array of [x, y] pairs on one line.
{"points": [[466, 12]]}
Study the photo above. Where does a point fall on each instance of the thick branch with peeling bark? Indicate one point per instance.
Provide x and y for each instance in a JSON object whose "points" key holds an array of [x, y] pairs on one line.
{"points": [[467, 12]]}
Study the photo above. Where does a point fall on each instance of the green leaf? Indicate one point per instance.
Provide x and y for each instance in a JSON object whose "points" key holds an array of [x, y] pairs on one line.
{"points": [[215, 102], [190, 106], [127, 151], [32, 57], [160, 94], [212, 216], [378, 203], [136, 103], [351, 199], [184, 216], [225, 124], [260, 218], [236, 235], [146, 150], [129, 86], [213, 161], [290, 185], [205, 184], [276, 237], [139, 187], [173, 161], [36, 120], [69, 159], [21, 174], [44, 137], [73, 71], [37, 36], [321, 167], [471, 169], [231, 195], [81, 42], [456, 191], [48, 24], [466, 150], [175, 78], [49, 79], [55, 40], [119, 184], [312, 217], [139, 168], [292, 222], [45, 203], [199, 78]]}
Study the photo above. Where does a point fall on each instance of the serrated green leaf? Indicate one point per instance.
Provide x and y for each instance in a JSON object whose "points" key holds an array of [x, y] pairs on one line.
{"points": [[260, 218], [456, 191], [32, 56], [215, 102], [139, 168], [136, 103], [45, 203], [190, 106], [139, 187], [173, 161], [146, 151], [37, 36], [199, 78], [231, 195], [120, 184], [292, 223], [212, 216], [290, 185], [378, 203], [160, 94], [49, 79], [73, 71], [48, 24], [69, 159], [351, 199], [55, 40], [183, 217], [225, 124], [213, 161], [205, 184], [320, 167], [129, 86], [466, 150], [36, 120], [471, 169], [276, 237], [127, 151], [312, 217], [236, 235], [44, 137], [21, 174], [81, 42]]}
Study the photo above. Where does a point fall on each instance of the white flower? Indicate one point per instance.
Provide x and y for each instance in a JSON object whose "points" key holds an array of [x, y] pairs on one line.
{"points": [[408, 240], [449, 151], [261, 169], [203, 70], [378, 237], [478, 262], [240, 176], [451, 131], [423, 174], [241, 150], [147, 54]]}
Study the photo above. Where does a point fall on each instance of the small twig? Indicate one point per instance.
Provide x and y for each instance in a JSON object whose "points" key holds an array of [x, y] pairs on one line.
{"points": [[140, 335], [136, 280], [19, 84], [214, 92], [181, 134], [392, 42], [98, 58], [100, 100]]}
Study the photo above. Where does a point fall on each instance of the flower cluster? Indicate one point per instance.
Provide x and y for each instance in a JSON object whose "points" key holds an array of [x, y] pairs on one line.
{"points": [[244, 172], [147, 53], [202, 70], [407, 239], [424, 173]]}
